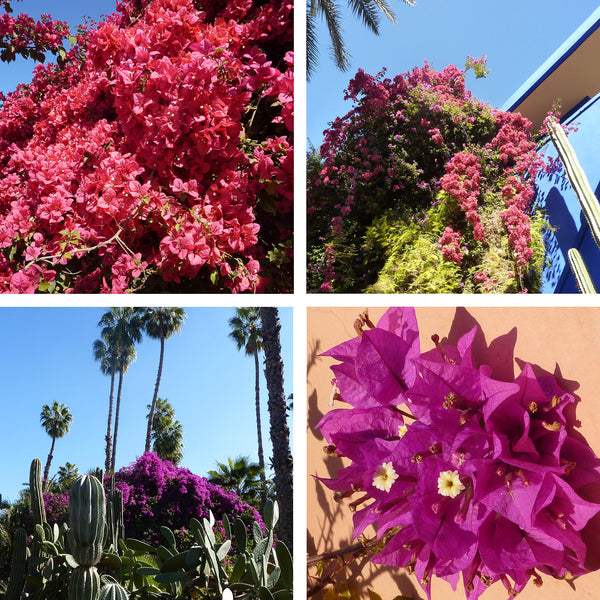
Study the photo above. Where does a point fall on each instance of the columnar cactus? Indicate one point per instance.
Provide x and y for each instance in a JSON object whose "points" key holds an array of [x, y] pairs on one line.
{"points": [[580, 184], [19, 560], [84, 584], [113, 591], [36, 491], [582, 276], [87, 515]]}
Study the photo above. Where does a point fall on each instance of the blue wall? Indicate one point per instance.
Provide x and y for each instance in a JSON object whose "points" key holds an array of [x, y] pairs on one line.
{"points": [[556, 197]]}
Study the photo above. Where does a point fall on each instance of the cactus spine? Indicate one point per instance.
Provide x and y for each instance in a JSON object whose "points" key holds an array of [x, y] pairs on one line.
{"points": [[582, 276], [19, 559], [113, 591]]}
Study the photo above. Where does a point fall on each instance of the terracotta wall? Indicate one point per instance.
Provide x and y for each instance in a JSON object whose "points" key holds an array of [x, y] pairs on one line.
{"points": [[563, 341]]}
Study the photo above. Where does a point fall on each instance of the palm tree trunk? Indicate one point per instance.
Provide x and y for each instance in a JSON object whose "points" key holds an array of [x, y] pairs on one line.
{"points": [[117, 411], [261, 457], [107, 461], [156, 386], [280, 434], [47, 467]]}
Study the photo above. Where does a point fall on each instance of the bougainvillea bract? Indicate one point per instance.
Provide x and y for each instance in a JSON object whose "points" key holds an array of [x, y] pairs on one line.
{"points": [[157, 157]]}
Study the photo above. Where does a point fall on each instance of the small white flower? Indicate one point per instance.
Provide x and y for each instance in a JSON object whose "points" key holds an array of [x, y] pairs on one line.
{"points": [[402, 429], [384, 478], [449, 484]]}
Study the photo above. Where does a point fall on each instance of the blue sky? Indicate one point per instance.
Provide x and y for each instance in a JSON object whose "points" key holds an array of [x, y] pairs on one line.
{"points": [[73, 12], [516, 35], [47, 355]]}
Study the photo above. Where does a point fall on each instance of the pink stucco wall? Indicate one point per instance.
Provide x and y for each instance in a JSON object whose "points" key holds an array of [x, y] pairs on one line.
{"points": [[564, 341]]}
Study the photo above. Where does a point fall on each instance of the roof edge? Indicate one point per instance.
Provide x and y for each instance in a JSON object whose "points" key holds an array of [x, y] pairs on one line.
{"points": [[578, 37]]}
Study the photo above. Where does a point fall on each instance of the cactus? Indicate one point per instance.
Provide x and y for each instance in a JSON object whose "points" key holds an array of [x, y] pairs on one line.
{"points": [[87, 514], [582, 276], [113, 591], [35, 489], [577, 178], [19, 560], [84, 584]]}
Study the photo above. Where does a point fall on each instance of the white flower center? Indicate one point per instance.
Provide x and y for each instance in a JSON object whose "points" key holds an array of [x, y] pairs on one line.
{"points": [[449, 484], [384, 477]]}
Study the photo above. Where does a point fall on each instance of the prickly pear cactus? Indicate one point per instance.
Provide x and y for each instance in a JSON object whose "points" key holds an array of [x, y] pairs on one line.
{"points": [[87, 515]]}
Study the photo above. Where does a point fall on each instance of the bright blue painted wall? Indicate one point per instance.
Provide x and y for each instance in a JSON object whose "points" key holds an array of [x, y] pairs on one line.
{"points": [[556, 197]]}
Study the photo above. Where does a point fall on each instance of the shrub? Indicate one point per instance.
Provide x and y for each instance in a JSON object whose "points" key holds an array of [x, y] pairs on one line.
{"points": [[156, 492], [423, 188], [157, 157]]}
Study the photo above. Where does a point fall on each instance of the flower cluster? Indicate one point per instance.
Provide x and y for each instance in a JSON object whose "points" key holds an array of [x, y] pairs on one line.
{"points": [[29, 38], [461, 181], [459, 472], [153, 157], [417, 154], [156, 492]]}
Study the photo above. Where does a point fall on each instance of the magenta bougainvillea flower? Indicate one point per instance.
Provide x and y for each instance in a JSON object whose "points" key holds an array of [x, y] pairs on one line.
{"points": [[460, 473]]}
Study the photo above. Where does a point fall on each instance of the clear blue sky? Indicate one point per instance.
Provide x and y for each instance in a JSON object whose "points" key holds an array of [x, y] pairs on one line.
{"points": [[47, 355], [73, 12], [516, 35]]}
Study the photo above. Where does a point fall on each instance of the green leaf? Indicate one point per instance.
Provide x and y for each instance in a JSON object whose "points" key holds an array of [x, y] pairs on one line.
{"points": [[170, 577], [271, 514], [283, 595], [284, 558], [223, 549], [273, 577], [147, 571], [71, 561], [174, 563], [264, 594], [238, 569], [226, 526], [214, 276], [256, 532], [139, 547], [241, 535], [168, 535]]}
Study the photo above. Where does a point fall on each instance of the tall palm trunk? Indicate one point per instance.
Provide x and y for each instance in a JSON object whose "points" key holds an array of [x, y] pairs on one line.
{"points": [[280, 433], [261, 457], [48, 461], [156, 386], [117, 411], [107, 461]]}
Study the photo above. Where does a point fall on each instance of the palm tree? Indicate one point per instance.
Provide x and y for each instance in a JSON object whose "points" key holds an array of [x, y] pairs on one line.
{"points": [[121, 329], [105, 354], [366, 10], [167, 432], [55, 420], [67, 475], [246, 333], [160, 324], [241, 476], [280, 433]]}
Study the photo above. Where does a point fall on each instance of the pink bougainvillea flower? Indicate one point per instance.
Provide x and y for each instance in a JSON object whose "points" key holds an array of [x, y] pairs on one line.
{"points": [[459, 472]]}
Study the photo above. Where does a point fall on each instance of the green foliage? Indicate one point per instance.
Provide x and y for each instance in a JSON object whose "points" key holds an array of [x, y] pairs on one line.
{"points": [[249, 566]]}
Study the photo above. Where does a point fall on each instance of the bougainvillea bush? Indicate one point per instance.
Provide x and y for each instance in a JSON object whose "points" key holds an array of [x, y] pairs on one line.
{"points": [[156, 493], [460, 473], [157, 157], [422, 188]]}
